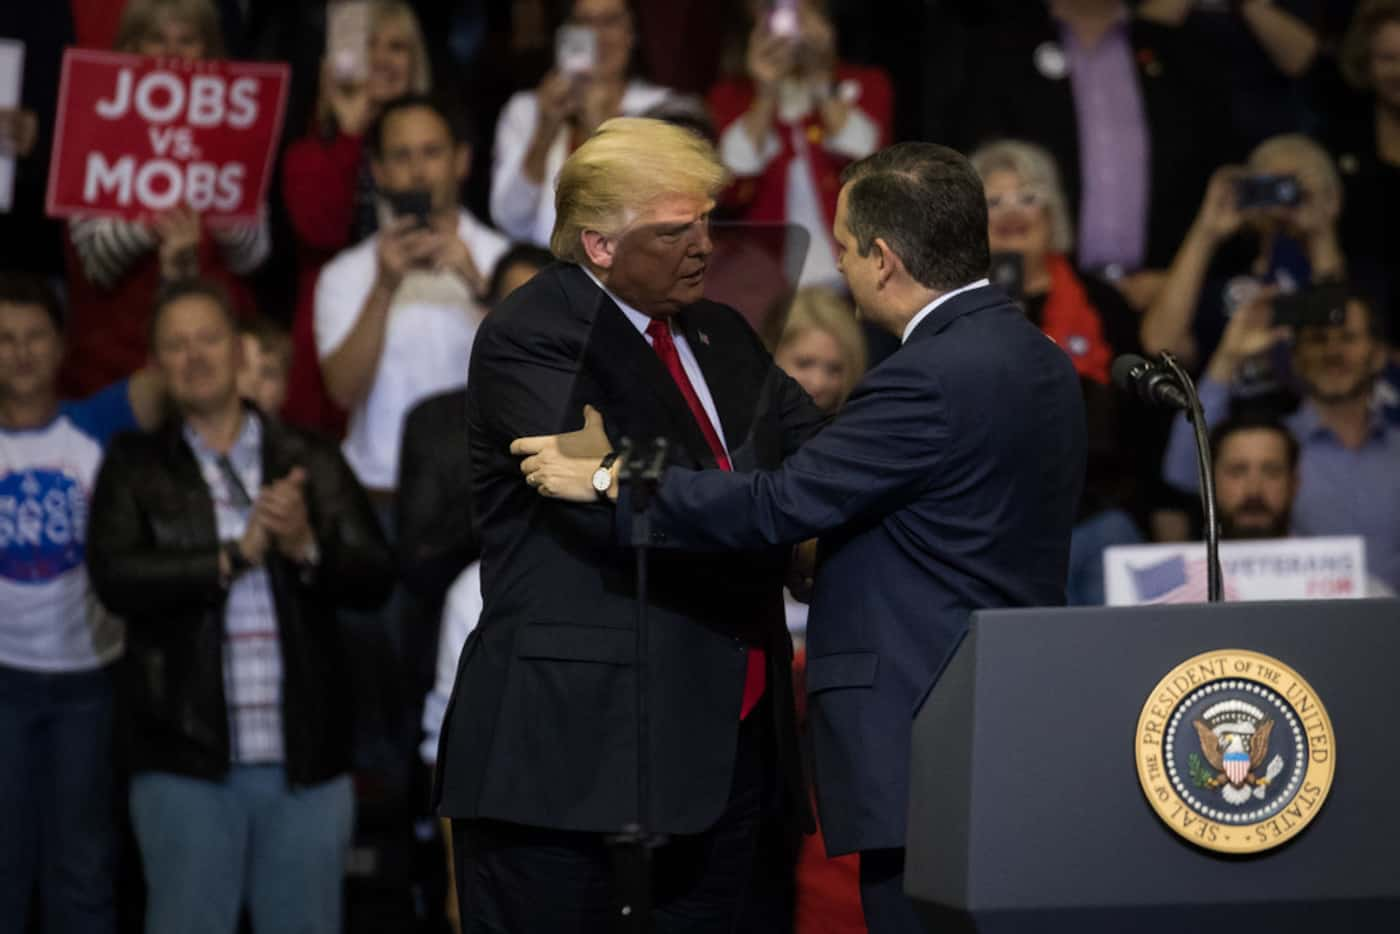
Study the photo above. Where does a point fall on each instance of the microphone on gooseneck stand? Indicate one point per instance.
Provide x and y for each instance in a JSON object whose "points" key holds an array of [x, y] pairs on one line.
{"points": [[1165, 382], [1153, 384]]}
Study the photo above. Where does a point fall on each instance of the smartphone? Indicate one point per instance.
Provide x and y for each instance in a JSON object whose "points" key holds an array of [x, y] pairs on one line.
{"points": [[1317, 306], [347, 40], [413, 202], [1268, 191], [783, 19], [575, 50], [1009, 272]]}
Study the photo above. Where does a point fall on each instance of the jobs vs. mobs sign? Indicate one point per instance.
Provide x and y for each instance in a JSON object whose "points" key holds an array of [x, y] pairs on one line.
{"points": [[138, 136]]}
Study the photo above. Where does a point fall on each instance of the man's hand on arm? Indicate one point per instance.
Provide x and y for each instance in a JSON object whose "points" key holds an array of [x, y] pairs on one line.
{"points": [[562, 466]]}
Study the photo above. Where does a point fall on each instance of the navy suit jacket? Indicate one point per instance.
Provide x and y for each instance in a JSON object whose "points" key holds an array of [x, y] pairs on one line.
{"points": [[948, 483]]}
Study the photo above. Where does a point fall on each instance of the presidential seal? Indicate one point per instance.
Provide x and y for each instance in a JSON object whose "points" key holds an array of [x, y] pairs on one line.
{"points": [[1235, 751]]}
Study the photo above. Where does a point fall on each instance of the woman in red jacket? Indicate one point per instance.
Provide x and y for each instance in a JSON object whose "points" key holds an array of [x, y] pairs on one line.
{"points": [[791, 119], [115, 266], [329, 191]]}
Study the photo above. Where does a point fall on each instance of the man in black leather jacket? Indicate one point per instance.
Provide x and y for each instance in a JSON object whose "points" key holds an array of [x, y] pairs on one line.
{"points": [[227, 541]]}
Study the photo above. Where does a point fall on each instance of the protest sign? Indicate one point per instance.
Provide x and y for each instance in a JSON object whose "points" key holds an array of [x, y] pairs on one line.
{"points": [[1266, 569], [138, 136]]}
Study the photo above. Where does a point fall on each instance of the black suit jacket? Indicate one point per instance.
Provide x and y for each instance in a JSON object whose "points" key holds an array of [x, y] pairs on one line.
{"points": [[948, 483], [1185, 105], [541, 729]]}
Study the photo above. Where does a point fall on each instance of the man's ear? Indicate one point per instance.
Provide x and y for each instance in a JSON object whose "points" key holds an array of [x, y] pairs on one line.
{"points": [[462, 162], [887, 262], [600, 249]]}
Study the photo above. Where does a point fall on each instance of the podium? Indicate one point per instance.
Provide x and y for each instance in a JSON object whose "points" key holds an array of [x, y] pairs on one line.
{"points": [[1027, 812]]}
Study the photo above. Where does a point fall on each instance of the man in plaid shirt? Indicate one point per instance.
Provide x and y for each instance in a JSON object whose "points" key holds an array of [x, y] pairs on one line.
{"points": [[228, 541]]}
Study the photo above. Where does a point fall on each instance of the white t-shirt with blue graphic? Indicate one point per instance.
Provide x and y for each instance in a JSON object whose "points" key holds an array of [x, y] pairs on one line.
{"points": [[50, 619]]}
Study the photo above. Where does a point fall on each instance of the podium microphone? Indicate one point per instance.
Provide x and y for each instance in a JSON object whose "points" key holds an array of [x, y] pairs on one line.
{"points": [[1149, 382]]}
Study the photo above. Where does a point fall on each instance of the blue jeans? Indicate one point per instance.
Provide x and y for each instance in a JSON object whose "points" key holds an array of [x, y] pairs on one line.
{"points": [[206, 846], [1086, 546], [56, 799]]}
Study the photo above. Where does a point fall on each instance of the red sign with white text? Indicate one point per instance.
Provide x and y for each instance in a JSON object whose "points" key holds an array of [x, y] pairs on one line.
{"points": [[138, 136]]}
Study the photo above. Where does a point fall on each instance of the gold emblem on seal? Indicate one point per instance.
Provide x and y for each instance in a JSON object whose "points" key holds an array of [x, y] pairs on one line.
{"points": [[1235, 751]]}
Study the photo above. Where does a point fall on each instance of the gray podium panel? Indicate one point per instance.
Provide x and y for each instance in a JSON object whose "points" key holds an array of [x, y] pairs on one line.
{"points": [[1026, 811]]}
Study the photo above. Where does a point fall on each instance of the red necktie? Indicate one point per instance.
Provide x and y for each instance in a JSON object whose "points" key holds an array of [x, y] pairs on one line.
{"points": [[755, 676]]}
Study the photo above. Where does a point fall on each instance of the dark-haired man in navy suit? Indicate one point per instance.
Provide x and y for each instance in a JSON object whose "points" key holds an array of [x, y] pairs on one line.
{"points": [[948, 483]]}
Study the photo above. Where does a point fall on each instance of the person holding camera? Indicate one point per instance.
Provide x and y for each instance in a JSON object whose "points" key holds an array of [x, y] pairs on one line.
{"points": [[1349, 454], [1272, 223], [592, 81], [792, 118], [327, 185]]}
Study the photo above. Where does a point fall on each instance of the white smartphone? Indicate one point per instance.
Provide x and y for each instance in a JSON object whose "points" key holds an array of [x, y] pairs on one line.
{"points": [[347, 40], [576, 50], [783, 19]]}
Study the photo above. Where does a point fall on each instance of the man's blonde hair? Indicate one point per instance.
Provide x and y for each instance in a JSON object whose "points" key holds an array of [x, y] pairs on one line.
{"points": [[616, 173]]}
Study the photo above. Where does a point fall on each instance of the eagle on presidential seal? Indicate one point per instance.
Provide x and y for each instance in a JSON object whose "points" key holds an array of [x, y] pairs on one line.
{"points": [[1234, 738]]}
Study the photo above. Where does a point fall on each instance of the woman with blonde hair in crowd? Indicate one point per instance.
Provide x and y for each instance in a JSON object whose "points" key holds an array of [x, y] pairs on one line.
{"points": [[117, 265], [821, 346], [327, 185]]}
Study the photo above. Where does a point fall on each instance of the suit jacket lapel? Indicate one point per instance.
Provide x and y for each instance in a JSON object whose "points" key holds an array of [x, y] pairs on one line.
{"points": [[628, 356], [731, 390]]}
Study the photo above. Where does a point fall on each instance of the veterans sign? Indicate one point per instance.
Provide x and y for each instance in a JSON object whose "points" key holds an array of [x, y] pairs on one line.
{"points": [[1265, 569], [138, 136]]}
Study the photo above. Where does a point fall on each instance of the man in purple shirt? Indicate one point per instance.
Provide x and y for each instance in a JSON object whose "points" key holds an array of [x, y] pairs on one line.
{"points": [[1349, 455], [1114, 147]]}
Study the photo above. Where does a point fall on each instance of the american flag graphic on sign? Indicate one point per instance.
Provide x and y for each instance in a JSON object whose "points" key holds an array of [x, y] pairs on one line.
{"points": [[1175, 580]]}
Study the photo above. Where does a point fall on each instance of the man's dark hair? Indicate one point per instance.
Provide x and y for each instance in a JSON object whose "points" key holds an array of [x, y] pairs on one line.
{"points": [[520, 254], [1254, 421], [24, 288], [928, 204], [439, 103], [1375, 318], [172, 292]]}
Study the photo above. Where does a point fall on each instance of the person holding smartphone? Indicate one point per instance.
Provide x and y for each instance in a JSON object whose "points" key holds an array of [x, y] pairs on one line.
{"points": [[592, 81], [1274, 222], [374, 54], [791, 117]]}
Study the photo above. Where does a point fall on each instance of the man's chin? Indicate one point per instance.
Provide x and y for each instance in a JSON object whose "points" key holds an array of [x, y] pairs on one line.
{"points": [[1251, 531]]}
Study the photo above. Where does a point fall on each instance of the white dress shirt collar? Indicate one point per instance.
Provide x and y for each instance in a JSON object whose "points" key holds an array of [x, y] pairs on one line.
{"points": [[639, 321], [929, 308]]}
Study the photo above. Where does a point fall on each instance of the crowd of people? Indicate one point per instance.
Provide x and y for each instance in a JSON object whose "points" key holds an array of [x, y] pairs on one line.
{"points": [[238, 546]]}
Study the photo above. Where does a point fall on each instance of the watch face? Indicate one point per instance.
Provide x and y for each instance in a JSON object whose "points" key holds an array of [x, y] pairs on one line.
{"points": [[602, 479]]}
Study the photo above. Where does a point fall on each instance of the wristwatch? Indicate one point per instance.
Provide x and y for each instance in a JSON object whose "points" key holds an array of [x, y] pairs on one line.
{"points": [[237, 561], [602, 477]]}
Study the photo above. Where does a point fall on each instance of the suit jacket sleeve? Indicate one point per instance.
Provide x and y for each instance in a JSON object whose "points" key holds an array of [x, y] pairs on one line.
{"points": [[885, 447], [522, 385]]}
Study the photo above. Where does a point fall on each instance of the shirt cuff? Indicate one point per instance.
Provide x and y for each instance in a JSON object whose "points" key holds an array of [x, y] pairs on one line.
{"points": [[741, 156], [859, 137]]}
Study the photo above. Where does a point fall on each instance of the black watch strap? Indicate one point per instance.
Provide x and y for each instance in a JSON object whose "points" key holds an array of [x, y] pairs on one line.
{"points": [[237, 561], [608, 460]]}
